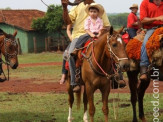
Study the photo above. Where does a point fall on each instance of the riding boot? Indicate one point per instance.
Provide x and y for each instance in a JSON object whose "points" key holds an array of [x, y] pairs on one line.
{"points": [[143, 73], [77, 88], [118, 82]]}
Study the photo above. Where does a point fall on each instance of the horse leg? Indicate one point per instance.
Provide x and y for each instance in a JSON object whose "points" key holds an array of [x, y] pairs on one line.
{"points": [[85, 101], [90, 97], [133, 80], [70, 99], [105, 93], [141, 91]]}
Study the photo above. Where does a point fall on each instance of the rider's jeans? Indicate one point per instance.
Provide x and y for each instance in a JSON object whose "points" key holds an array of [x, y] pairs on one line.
{"points": [[144, 58], [132, 32], [72, 62]]}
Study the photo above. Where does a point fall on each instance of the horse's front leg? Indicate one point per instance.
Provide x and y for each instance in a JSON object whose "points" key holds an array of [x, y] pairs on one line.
{"points": [[70, 100], [85, 101], [141, 91], [105, 93], [90, 97], [133, 80]]}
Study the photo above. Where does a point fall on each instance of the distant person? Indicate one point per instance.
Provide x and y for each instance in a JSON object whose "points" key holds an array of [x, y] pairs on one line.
{"points": [[133, 22]]}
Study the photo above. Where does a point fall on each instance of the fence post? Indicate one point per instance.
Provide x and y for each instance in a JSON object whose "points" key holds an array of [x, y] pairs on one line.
{"points": [[63, 44], [35, 44], [49, 42], [46, 44], [19, 47]]}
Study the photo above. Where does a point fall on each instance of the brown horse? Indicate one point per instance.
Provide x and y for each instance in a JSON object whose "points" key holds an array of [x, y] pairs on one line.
{"points": [[138, 89], [96, 70], [9, 48]]}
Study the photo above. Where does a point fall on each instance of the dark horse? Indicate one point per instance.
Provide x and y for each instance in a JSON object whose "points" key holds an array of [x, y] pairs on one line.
{"points": [[9, 48], [138, 90], [96, 70]]}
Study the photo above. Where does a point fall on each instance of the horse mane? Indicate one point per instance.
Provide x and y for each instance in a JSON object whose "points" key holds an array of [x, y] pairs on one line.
{"points": [[9, 36], [5, 34]]}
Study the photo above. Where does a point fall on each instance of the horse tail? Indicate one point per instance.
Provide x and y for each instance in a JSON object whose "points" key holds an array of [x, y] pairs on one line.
{"points": [[78, 98]]}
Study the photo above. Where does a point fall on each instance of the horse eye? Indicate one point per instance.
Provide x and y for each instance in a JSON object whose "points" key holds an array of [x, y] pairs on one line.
{"points": [[114, 45]]}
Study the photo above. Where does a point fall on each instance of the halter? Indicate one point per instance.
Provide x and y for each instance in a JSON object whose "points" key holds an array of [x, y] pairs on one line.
{"points": [[112, 53], [8, 55], [102, 70]]}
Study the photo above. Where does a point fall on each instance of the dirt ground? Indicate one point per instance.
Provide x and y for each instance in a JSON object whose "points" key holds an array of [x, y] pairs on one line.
{"points": [[17, 85]]}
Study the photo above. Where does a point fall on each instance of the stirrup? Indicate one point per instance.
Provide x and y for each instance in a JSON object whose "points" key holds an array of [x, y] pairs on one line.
{"points": [[76, 88], [2, 80]]}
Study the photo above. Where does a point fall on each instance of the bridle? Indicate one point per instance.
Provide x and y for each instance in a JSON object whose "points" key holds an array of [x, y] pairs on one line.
{"points": [[7, 54], [113, 55]]}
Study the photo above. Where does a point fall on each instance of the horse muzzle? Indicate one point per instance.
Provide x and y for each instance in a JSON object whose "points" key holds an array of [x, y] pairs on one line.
{"points": [[13, 64], [124, 65]]}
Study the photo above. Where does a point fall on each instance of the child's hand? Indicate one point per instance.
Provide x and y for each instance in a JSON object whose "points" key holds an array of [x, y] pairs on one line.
{"points": [[92, 35], [98, 35]]}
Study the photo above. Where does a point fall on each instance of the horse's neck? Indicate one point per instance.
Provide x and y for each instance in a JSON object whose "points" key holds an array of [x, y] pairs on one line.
{"points": [[100, 51], [1, 44]]}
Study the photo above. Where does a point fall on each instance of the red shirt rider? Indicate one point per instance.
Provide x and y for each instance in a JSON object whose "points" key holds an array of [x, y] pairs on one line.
{"points": [[149, 9], [132, 18]]}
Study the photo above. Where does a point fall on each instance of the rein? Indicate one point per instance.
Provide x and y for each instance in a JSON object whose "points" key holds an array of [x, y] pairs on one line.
{"points": [[102, 70], [106, 74]]}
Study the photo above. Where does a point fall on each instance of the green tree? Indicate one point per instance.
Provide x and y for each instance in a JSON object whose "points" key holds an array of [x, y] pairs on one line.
{"points": [[39, 24], [54, 18], [118, 20], [51, 22]]}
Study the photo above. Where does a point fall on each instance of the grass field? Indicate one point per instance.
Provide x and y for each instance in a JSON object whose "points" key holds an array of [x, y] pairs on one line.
{"points": [[49, 73], [49, 107], [52, 107]]}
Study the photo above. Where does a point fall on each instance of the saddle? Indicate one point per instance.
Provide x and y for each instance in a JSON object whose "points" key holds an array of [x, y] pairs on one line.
{"points": [[154, 48], [79, 57]]}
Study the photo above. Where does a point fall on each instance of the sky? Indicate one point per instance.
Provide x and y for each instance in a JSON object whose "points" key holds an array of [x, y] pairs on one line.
{"points": [[110, 6]]}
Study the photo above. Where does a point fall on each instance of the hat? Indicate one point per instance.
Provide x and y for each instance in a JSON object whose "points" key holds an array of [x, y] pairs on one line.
{"points": [[98, 6], [134, 6]]}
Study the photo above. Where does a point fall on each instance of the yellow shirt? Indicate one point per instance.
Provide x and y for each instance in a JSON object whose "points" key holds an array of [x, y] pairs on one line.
{"points": [[78, 16]]}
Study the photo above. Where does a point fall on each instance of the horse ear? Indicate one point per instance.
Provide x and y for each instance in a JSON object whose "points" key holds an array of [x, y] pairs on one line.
{"points": [[120, 30], [4, 33], [111, 30], [15, 33]]}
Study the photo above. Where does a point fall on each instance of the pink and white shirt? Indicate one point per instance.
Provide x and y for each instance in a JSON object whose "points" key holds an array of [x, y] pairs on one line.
{"points": [[93, 27]]}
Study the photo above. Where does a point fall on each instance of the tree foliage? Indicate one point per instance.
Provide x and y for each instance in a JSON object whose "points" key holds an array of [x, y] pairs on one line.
{"points": [[51, 22], [118, 20]]}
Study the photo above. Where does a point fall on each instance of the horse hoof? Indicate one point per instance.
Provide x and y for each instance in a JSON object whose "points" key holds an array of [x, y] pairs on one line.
{"points": [[135, 120], [86, 120], [143, 119], [69, 119]]}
